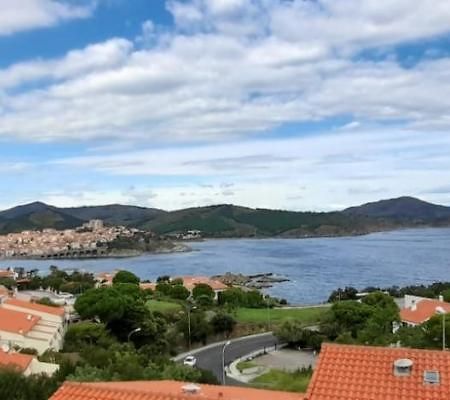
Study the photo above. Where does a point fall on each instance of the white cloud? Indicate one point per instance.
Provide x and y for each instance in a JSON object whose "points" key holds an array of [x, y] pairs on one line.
{"points": [[94, 58], [322, 172], [22, 15], [222, 73]]}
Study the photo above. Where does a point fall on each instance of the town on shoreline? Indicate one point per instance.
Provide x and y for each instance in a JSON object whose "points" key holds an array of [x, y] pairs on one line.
{"points": [[91, 240]]}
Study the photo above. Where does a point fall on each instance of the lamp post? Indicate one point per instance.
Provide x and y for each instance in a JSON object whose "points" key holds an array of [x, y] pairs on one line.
{"points": [[189, 309], [268, 312], [223, 361], [133, 332], [440, 310]]}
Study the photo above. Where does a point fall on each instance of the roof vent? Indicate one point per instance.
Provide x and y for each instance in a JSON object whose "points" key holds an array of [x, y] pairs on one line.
{"points": [[190, 388], [431, 377], [403, 367]]}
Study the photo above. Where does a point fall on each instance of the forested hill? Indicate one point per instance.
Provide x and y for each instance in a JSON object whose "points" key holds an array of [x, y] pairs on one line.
{"points": [[234, 221]]}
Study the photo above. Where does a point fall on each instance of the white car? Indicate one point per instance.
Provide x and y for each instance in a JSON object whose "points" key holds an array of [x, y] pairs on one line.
{"points": [[190, 361]]}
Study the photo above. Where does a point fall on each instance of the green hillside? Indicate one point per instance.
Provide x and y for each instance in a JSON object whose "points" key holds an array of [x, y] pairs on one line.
{"points": [[227, 220]]}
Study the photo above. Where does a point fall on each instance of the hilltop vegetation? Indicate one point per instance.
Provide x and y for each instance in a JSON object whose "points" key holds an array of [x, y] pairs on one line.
{"points": [[228, 220]]}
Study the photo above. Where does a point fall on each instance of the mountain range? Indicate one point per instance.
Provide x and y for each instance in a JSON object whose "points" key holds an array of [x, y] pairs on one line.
{"points": [[228, 220]]}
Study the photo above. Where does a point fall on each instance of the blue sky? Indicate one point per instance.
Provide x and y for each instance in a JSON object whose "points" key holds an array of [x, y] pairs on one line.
{"points": [[305, 105]]}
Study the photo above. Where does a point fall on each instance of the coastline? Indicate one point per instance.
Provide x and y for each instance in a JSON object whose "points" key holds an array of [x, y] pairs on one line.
{"points": [[114, 254]]}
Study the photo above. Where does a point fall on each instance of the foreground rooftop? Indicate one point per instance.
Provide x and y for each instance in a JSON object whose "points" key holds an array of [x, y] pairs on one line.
{"points": [[367, 373], [164, 390]]}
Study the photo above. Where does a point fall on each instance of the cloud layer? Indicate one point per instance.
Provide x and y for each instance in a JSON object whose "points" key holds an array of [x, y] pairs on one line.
{"points": [[210, 100], [24, 15], [234, 68]]}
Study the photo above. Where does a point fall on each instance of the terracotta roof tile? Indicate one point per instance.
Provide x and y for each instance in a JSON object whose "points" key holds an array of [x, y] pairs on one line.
{"points": [[163, 390], [17, 322], [36, 307], [17, 360], [366, 373], [425, 309]]}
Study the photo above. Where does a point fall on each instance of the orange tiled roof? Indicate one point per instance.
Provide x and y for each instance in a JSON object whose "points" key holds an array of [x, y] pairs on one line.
{"points": [[190, 282], [147, 285], [425, 309], [36, 307], [4, 273], [366, 373], [17, 322], [106, 277], [17, 360], [168, 390]]}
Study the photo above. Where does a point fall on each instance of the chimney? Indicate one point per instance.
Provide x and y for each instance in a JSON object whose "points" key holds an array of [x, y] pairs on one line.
{"points": [[29, 317], [403, 367], [190, 389], [441, 298], [413, 305]]}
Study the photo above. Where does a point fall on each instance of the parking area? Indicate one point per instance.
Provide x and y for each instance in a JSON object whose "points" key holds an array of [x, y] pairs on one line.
{"points": [[287, 359]]}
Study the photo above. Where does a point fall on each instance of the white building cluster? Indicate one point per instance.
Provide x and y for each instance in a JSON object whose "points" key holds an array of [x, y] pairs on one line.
{"points": [[91, 238]]}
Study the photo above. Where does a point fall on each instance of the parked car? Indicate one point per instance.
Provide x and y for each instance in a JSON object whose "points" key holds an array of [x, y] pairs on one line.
{"points": [[190, 361]]}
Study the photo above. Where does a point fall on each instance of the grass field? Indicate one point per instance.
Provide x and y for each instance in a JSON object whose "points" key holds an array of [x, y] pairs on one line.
{"points": [[245, 365], [163, 306], [276, 315], [281, 380]]}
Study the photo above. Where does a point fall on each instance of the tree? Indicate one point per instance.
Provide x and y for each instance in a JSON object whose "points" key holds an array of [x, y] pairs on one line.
{"points": [[349, 293], [179, 292], [378, 327], [204, 301], [126, 277], [223, 323], [8, 283], [349, 316], [164, 288], [234, 297], [200, 328], [105, 303], [86, 333], [296, 335], [446, 295], [255, 299], [202, 289]]}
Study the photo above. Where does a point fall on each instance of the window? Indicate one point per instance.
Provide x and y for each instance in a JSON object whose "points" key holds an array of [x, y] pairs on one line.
{"points": [[431, 377]]}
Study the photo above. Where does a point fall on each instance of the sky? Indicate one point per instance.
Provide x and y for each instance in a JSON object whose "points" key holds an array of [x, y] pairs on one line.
{"points": [[286, 104]]}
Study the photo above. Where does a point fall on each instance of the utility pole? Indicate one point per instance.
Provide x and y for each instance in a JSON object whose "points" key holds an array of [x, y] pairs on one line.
{"points": [[223, 361]]}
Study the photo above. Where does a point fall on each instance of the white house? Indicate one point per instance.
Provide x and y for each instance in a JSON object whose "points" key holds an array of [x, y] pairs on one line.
{"points": [[31, 325], [25, 363]]}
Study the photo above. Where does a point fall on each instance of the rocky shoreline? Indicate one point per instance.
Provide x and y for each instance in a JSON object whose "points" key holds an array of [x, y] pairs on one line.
{"points": [[257, 281]]}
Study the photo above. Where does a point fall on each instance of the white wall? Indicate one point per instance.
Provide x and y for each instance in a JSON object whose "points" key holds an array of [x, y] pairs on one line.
{"points": [[38, 367]]}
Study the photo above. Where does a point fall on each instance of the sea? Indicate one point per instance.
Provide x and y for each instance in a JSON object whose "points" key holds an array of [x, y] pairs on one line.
{"points": [[314, 266]]}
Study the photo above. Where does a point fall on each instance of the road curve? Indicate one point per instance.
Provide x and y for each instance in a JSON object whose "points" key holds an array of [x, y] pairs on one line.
{"points": [[210, 357]]}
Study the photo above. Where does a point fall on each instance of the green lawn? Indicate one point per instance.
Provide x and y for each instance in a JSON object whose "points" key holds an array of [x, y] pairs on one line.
{"points": [[163, 306], [276, 315], [281, 380], [245, 365]]}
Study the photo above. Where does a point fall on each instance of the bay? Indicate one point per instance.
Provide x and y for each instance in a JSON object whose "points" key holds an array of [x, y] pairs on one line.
{"points": [[314, 266]]}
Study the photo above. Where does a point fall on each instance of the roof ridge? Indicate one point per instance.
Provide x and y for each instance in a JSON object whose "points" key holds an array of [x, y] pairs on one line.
{"points": [[126, 390]]}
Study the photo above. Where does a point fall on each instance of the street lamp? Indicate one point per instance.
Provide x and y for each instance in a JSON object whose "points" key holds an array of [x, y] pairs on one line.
{"points": [[268, 312], [223, 361], [189, 309], [133, 332], [440, 310]]}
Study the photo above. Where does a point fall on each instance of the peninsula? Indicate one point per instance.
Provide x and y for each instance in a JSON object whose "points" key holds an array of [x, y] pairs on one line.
{"points": [[91, 240]]}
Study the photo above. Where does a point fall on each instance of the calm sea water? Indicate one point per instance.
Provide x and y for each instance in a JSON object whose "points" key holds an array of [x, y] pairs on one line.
{"points": [[314, 266]]}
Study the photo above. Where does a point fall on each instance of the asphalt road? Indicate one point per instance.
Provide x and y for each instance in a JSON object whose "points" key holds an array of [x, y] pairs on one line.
{"points": [[211, 358]]}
